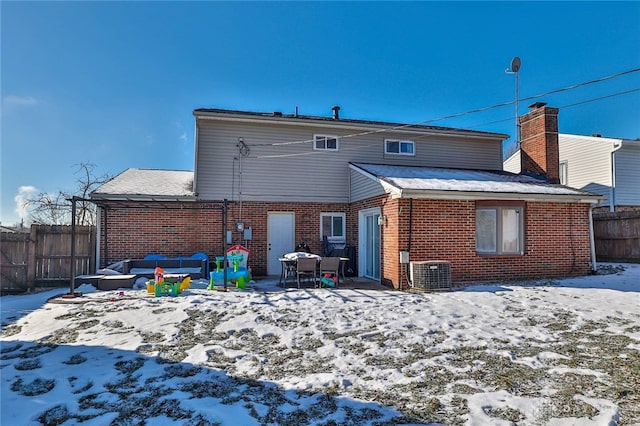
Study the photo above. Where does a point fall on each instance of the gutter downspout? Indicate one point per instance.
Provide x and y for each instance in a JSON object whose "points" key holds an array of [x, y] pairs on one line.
{"points": [[98, 235], [195, 158], [407, 276], [592, 242], [106, 237], [612, 192]]}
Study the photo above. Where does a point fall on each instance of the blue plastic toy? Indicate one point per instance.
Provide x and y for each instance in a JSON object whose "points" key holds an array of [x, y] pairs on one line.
{"points": [[237, 274]]}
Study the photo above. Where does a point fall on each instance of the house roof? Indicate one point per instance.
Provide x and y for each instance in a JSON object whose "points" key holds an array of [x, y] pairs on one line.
{"points": [[14, 229], [224, 114], [443, 183], [148, 185]]}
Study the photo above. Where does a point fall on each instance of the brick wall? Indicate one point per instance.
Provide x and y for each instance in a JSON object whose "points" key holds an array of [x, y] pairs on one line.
{"points": [[181, 229], [539, 142], [557, 235], [172, 229], [307, 226]]}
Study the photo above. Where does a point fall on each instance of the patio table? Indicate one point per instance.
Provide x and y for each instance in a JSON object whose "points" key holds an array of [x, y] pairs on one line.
{"points": [[289, 262]]}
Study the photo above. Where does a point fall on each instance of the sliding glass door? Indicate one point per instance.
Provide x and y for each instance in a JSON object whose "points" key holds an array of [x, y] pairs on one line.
{"points": [[369, 245]]}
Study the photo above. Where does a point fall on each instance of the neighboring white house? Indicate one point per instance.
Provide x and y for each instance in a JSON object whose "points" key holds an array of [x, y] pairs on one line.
{"points": [[605, 166]]}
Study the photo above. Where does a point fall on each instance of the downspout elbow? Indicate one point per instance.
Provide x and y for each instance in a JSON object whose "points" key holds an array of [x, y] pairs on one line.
{"points": [[612, 192]]}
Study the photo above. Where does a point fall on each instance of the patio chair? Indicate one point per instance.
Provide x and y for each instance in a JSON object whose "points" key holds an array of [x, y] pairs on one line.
{"points": [[288, 270], [307, 267], [330, 265]]}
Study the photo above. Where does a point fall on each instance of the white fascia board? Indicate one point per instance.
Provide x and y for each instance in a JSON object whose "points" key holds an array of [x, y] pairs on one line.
{"points": [[368, 128], [135, 198], [472, 196]]}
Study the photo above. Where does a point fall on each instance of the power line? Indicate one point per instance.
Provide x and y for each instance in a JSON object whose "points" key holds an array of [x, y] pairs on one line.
{"points": [[562, 107], [503, 104], [600, 98], [475, 111]]}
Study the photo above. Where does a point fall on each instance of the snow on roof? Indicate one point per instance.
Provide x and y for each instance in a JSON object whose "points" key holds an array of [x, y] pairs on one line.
{"points": [[414, 178], [148, 183]]}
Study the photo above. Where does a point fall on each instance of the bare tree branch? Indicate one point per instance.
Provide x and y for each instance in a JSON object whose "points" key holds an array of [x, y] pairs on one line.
{"points": [[56, 209]]}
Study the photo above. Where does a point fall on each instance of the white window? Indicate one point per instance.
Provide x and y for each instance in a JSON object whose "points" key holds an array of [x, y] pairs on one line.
{"points": [[332, 226], [563, 173], [399, 147], [500, 230], [325, 142]]}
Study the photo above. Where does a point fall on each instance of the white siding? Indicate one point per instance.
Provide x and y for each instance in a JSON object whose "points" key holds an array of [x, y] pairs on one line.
{"points": [[589, 166], [588, 163], [512, 164], [627, 191], [282, 165]]}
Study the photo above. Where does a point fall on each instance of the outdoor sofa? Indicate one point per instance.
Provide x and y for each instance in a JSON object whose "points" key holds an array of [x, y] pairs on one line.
{"points": [[195, 267]]}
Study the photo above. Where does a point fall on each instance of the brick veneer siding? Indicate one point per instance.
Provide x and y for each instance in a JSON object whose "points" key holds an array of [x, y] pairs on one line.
{"points": [[539, 143], [556, 241], [181, 229], [307, 226], [172, 229], [556, 234]]}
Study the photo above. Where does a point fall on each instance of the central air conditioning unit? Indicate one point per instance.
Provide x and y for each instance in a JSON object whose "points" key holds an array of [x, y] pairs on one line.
{"points": [[431, 275]]}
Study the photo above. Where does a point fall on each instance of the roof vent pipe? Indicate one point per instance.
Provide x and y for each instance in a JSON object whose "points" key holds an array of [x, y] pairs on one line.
{"points": [[336, 112]]}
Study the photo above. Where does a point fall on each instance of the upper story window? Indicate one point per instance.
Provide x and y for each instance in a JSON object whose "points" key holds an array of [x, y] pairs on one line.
{"points": [[399, 147], [564, 178], [325, 142], [332, 226], [499, 230]]}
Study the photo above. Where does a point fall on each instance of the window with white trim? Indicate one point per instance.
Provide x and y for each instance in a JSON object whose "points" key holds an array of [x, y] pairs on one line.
{"points": [[563, 173], [399, 147], [500, 230], [325, 142], [332, 226]]}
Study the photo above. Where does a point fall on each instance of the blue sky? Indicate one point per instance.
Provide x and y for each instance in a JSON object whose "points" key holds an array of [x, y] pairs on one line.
{"points": [[115, 83]]}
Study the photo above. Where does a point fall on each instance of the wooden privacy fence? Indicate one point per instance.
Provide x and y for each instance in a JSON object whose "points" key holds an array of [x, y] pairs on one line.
{"points": [[617, 236], [44, 254]]}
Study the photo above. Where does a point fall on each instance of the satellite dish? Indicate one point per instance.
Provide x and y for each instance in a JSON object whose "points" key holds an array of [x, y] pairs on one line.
{"points": [[515, 64]]}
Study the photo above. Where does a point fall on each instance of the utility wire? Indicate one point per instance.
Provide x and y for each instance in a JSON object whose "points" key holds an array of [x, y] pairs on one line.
{"points": [[301, 154], [503, 104], [474, 111], [560, 107], [600, 98]]}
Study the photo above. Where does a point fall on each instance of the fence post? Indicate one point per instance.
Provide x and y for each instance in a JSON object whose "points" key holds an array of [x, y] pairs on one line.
{"points": [[31, 258], [92, 244]]}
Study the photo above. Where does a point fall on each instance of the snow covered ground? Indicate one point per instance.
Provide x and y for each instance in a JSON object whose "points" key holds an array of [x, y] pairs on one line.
{"points": [[552, 352]]}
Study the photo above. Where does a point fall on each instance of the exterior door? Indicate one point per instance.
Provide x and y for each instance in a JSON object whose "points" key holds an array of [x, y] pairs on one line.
{"points": [[369, 243], [280, 239]]}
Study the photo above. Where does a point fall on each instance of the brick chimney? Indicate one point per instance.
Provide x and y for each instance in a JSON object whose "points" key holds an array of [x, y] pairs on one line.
{"points": [[539, 142]]}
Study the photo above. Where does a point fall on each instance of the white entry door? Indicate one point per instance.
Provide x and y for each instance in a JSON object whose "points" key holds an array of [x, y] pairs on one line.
{"points": [[280, 239], [369, 243]]}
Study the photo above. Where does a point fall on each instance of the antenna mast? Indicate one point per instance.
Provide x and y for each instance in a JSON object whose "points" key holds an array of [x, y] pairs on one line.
{"points": [[514, 68]]}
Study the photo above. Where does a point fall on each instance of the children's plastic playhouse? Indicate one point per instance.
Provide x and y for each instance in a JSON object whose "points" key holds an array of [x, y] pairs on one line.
{"points": [[237, 270], [167, 285]]}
